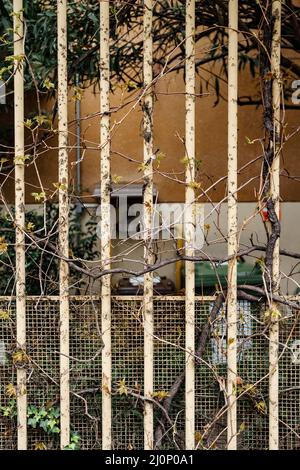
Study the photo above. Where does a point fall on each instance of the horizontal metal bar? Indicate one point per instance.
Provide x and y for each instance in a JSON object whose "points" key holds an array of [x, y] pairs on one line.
{"points": [[7, 298]]}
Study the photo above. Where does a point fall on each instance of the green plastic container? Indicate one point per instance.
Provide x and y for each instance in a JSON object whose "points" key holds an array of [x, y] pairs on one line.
{"points": [[210, 276]]}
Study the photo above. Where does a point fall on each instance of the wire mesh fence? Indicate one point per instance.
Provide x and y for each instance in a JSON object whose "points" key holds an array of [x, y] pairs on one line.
{"points": [[42, 364]]}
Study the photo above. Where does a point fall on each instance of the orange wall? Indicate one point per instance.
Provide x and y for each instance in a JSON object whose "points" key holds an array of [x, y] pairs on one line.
{"points": [[211, 144]]}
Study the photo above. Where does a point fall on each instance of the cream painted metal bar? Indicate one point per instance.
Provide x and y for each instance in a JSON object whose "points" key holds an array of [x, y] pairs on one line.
{"points": [[62, 105], [147, 224], [232, 224], [275, 194], [190, 227], [105, 179], [20, 216]]}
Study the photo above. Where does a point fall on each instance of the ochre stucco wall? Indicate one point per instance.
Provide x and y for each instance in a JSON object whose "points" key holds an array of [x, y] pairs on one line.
{"points": [[211, 143]]}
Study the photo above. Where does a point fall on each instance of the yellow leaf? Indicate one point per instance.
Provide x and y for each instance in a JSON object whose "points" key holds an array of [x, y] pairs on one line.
{"points": [[131, 85], [13, 58], [19, 356], [242, 427], [28, 123], [179, 332], [4, 314], [10, 391], [249, 141], [251, 389], [21, 158], [30, 226], [185, 160], [48, 84], [160, 395], [3, 246], [116, 179], [39, 446], [39, 196], [61, 186], [159, 157], [141, 167], [272, 313], [122, 388], [77, 93], [261, 407], [194, 185], [3, 160]]}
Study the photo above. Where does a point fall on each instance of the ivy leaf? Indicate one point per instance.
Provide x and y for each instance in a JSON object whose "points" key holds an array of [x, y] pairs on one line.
{"points": [[32, 422], [44, 425]]}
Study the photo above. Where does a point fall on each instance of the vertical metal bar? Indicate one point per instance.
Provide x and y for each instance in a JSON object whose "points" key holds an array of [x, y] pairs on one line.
{"points": [[105, 223], [147, 226], [275, 193], [190, 227], [232, 224], [20, 216], [62, 104]]}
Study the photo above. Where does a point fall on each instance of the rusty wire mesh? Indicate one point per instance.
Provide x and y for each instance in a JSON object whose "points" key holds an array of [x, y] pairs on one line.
{"points": [[169, 360]]}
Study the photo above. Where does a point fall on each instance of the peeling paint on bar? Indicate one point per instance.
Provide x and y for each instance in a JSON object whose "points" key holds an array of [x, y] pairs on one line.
{"points": [[190, 227], [62, 104], [232, 224], [275, 194], [105, 179], [147, 225], [20, 217]]}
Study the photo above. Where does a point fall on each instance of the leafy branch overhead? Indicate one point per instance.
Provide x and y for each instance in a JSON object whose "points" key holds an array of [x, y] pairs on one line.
{"points": [[127, 55]]}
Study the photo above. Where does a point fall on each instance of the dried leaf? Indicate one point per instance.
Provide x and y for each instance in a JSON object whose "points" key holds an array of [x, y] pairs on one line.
{"points": [[3, 246], [4, 314], [10, 391], [160, 395], [39, 446], [19, 356], [122, 388]]}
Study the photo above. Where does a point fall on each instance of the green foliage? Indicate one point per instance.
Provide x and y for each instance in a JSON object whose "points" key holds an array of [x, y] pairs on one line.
{"points": [[9, 410], [126, 56], [74, 442], [44, 418], [42, 266]]}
